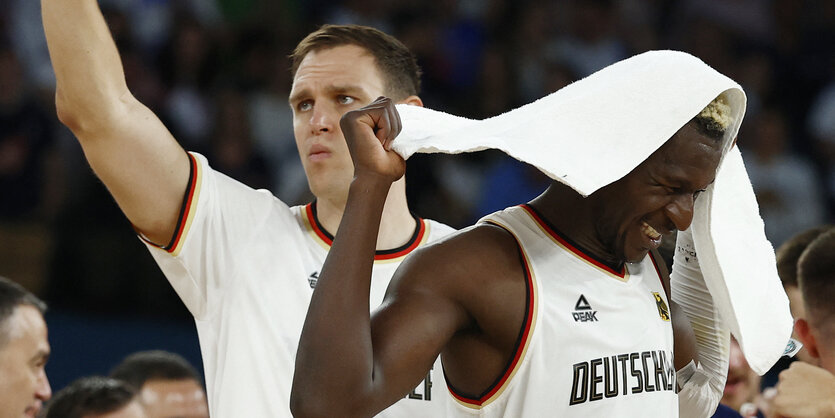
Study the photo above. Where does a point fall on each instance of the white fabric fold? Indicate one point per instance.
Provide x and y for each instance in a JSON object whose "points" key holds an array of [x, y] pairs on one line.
{"points": [[596, 130]]}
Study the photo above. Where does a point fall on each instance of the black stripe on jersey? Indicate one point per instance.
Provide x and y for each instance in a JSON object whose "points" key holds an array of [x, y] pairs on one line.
{"points": [[181, 216], [502, 378], [403, 247]]}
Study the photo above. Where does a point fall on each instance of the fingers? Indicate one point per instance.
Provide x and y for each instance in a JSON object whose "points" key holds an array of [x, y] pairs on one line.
{"points": [[387, 124], [379, 118]]}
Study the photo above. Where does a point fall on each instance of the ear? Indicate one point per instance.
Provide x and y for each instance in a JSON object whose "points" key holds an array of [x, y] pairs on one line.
{"points": [[412, 100], [804, 333]]}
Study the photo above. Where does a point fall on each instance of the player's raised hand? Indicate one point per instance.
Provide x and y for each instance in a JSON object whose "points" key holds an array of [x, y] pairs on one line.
{"points": [[369, 132]]}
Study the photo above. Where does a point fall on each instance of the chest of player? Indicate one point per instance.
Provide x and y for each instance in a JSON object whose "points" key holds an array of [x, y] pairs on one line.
{"points": [[606, 335]]}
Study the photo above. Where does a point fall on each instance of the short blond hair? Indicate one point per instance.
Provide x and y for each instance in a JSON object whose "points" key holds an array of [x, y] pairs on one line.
{"points": [[715, 118]]}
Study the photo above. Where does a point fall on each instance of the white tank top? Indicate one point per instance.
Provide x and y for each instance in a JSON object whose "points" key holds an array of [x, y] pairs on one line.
{"points": [[595, 342]]}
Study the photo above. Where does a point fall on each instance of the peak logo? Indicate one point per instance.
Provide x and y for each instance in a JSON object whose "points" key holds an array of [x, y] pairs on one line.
{"points": [[313, 279], [583, 311]]}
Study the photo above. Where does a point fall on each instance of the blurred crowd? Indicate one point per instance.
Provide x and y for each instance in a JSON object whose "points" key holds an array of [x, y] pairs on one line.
{"points": [[217, 73]]}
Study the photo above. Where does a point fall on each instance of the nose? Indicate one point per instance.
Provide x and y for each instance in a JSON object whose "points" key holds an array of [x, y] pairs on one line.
{"points": [[322, 120], [680, 210], [43, 391]]}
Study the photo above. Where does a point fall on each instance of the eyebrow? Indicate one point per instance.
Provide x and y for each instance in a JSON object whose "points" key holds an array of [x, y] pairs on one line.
{"points": [[351, 89]]}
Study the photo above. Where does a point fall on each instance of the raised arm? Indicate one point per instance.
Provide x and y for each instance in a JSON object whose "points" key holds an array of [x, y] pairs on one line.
{"points": [[342, 367], [131, 151]]}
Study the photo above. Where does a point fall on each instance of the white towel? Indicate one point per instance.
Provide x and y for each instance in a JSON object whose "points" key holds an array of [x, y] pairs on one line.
{"points": [[596, 130]]}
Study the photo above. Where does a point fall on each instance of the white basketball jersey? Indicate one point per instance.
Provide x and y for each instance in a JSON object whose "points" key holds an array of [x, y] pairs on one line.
{"points": [[596, 342], [245, 265]]}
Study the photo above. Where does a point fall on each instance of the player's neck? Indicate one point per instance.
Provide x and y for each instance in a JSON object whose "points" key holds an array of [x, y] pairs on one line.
{"points": [[573, 216], [396, 226]]}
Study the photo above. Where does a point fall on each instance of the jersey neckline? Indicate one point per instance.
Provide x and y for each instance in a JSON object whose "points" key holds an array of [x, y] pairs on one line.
{"points": [[620, 272], [413, 242]]}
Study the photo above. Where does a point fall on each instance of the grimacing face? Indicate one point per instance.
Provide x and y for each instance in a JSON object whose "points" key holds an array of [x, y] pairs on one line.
{"points": [[657, 197], [329, 83], [23, 383]]}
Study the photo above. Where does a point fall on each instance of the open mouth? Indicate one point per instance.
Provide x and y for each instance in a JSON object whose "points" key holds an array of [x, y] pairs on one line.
{"points": [[653, 237], [733, 385]]}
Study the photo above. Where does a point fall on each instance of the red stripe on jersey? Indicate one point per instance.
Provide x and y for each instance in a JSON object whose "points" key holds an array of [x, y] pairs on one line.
{"points": [[314, 223], [327, 238], [409, 247], [185, 209], [571, 247]]}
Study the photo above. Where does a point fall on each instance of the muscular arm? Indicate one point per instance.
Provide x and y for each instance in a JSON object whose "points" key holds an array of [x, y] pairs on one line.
{"points": [[142, 165], [342, 367]]}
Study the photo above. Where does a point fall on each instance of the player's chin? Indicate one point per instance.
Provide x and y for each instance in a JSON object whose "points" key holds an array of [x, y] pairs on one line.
{"points": [[636, 256], [634, 252]]}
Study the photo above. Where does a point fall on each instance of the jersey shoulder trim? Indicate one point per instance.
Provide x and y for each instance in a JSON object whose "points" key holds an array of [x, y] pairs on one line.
{"points": [[522, 342], [187, 209]]}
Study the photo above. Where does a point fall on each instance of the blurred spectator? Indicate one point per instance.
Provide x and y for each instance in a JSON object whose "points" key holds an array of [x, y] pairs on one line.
{"points": [[25, 135], [816, 276], [723, 411], [481, 58], [374, 13], [188, 65], [153, 19], [591, 43], [24, 351], [22, 19], [821, 124], [231, 148], [95, 397], [269, 115], [808, 390], [167, 384], [787, 190], [787, 256], [745, 18], [26, 138], [743, 384], [510, 182]]}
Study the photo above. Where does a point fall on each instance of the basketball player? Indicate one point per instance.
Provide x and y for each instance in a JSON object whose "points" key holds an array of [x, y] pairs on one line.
{"points": [[243, 262], [787, 256], [534, 309], [808, 390]]}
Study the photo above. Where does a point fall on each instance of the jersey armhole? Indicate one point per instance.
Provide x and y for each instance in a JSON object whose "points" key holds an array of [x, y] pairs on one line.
{"points": [[522, 342], [187, 209]]}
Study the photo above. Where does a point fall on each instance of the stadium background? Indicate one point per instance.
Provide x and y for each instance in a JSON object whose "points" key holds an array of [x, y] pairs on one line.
{"points": [[216, 72]]}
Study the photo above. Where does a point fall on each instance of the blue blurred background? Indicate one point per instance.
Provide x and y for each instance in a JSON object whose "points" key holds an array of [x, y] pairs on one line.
{"points": [[216, 71]]}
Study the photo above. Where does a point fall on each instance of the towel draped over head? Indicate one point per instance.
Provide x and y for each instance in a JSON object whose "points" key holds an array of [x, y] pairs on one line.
{"points": [[595, 131]]}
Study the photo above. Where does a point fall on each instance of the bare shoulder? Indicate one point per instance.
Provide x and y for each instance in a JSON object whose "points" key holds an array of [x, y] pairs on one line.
{"points": [[471, 268], [470, 252]]}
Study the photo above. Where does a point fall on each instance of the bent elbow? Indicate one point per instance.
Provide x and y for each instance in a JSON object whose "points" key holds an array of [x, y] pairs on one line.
{"points": [[67, 113], [90, 115]]}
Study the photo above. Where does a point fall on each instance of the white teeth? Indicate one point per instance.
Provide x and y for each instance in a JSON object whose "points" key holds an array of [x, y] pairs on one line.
{"points": [[650, 231]]}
